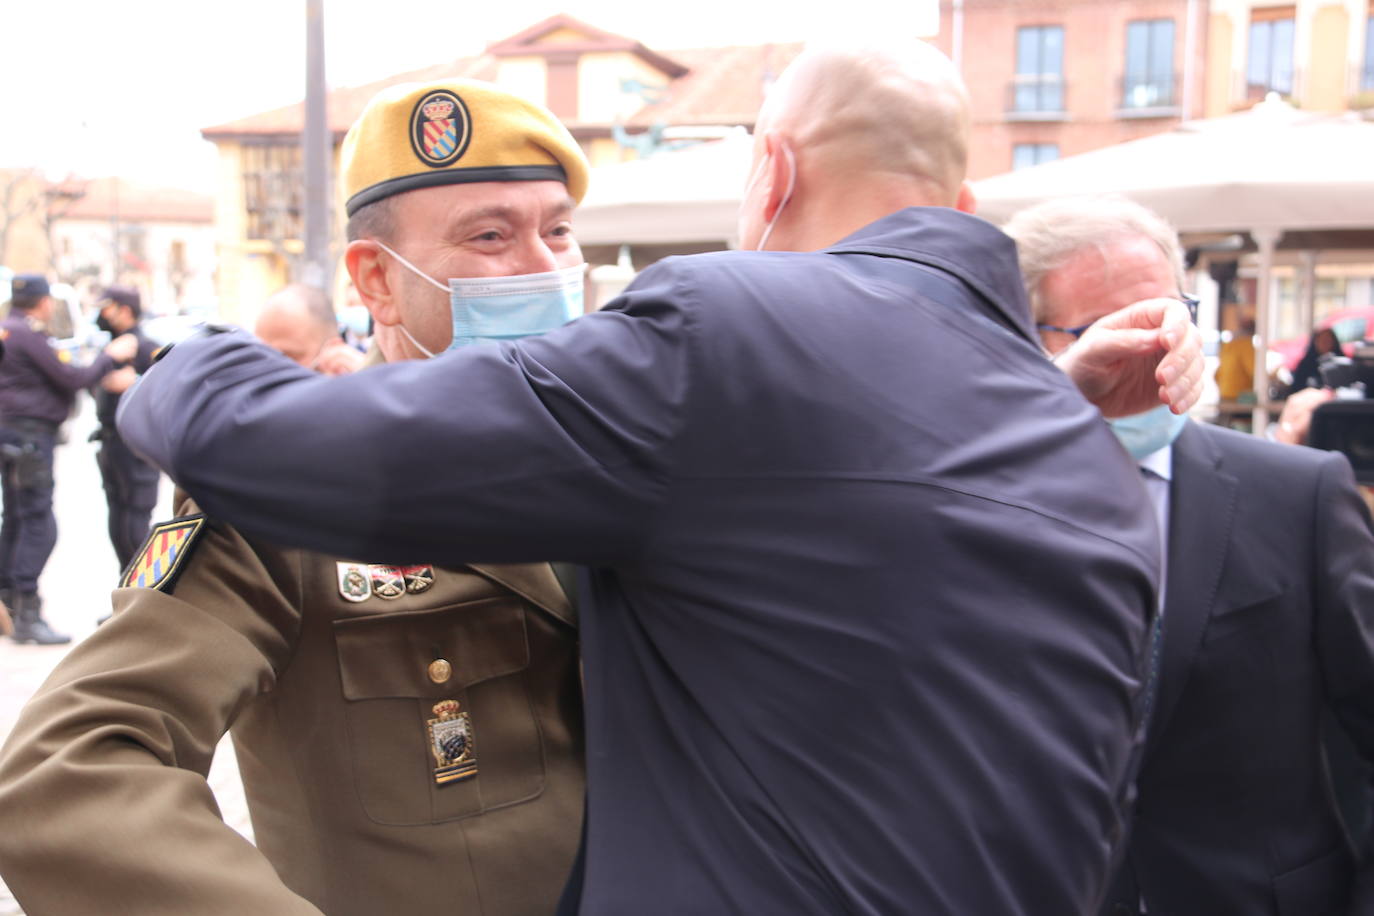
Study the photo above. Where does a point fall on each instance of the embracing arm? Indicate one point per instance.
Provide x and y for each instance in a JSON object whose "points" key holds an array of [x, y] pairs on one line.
{"points": [[104, 804], [549, 449]]}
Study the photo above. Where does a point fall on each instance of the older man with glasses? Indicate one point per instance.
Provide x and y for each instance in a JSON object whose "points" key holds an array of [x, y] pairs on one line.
{"points": [[1268, 615]]}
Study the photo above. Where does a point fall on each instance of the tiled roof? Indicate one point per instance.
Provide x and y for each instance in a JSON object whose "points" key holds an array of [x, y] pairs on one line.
{"points": [[106, 198], [721, 86]]}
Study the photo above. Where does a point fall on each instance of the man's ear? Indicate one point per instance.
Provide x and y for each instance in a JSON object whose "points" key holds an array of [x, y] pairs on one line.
{"points": [[966, 202], [367, 269], [778, 175]]}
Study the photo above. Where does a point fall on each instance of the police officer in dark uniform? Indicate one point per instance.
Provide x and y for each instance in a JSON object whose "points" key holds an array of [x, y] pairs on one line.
{"points": [[37, 390], [130, 482]]}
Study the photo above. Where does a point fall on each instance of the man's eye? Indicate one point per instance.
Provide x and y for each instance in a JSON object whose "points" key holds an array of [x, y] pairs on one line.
{"points": [[491, 236]]}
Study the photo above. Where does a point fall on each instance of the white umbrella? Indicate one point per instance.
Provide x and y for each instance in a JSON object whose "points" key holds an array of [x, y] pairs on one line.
{"points": [[1272, 167]]}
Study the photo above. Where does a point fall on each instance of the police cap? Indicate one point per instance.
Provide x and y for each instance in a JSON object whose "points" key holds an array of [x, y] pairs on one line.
{"points": [[123, 295], [29, 286]]}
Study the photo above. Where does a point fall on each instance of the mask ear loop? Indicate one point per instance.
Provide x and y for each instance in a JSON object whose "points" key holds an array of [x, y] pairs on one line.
{"points": [[786, 197], [419, 346], [422, 275], [411, 267]]}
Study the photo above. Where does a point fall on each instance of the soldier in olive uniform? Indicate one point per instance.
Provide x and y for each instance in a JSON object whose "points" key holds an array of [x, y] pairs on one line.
{"points": [[409, 736]]}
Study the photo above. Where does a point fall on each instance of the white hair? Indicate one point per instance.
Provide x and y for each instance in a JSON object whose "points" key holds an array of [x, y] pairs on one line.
{"points": [[1049, 234]]}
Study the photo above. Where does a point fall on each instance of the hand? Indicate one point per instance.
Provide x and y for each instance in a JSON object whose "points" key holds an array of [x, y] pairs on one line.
{"points": [[338, 358], [118, 381], [1138, 357], [123, 348], [1296, 418]]}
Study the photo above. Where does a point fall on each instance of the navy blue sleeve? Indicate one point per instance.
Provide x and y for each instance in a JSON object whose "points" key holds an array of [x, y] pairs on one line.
{"points": [[550, 448], [61, 376]]}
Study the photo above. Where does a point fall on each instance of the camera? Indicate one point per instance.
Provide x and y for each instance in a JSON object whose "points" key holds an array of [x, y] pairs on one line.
{"points": [[1345, 424]]}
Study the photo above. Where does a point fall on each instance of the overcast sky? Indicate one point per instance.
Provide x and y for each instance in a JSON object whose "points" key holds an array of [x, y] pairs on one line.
{"points": [[124, 88]]}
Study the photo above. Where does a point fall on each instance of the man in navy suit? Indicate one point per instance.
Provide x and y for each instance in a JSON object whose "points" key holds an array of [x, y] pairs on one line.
{"points": [[869, 581], [1268, 616]]}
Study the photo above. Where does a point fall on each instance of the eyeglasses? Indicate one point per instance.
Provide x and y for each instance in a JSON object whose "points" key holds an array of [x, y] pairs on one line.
{"points": [[1076, 332]]}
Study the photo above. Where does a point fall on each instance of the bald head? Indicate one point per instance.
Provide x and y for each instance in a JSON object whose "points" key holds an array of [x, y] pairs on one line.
{"points": [[897, 111], [298, 321]]}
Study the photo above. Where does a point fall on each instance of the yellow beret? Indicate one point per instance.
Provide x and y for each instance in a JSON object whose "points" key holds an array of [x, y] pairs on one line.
{"points": [[418, 135]]}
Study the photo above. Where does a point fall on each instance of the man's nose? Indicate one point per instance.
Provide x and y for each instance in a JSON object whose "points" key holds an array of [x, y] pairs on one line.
{"points": [[535, 257]]}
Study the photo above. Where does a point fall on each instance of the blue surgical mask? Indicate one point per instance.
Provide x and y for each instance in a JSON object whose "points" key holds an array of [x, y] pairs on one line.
{"points": [[1145, 433], [505, 308]]}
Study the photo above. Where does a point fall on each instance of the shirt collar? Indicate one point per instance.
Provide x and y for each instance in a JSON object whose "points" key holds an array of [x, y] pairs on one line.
{"points": [[1159, 463]]}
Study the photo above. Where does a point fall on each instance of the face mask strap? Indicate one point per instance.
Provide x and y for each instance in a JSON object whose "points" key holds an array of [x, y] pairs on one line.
{"points": [[786, 197], [413, 269], [419, 346]]}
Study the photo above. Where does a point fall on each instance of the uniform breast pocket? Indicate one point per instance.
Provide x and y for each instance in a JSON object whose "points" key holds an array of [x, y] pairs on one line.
{"points": [[418, 758]]}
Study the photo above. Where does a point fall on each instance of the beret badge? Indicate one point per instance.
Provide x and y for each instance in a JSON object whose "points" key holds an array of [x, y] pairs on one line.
{"points": [[440, 128]]}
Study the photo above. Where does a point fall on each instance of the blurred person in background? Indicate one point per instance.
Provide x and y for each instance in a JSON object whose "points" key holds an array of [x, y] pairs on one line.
{"points": [[1307, 374], [1235, 375], [1268, 617], [299, 322], [37, 391], [130, 482]]}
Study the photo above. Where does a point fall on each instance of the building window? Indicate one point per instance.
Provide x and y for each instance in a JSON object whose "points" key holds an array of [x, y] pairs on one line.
{"points": [[1367, 75], [1149, 79], [1039, 83], [1024, 155], [1270, 67], [272, 190]]}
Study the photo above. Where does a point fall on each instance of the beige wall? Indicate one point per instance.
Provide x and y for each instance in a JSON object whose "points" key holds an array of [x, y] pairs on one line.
{"points": [[1218, 83], [26, 245], [1328, 49], [1325, 85]]}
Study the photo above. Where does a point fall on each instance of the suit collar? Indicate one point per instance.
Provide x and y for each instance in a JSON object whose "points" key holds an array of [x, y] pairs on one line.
{"points": [[972, 249], [1202, 508]]}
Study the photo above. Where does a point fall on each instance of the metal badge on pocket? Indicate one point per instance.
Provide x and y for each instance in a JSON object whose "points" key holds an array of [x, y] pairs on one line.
{"points": [[354, 583], [451, 740]]}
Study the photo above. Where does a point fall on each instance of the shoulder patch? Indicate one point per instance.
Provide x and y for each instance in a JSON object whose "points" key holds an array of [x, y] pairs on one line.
{"points": [[159, 561]]}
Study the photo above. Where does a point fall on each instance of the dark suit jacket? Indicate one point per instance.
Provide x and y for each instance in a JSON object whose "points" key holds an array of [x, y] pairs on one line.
{"points": [[1269, 618], [871, 580]]}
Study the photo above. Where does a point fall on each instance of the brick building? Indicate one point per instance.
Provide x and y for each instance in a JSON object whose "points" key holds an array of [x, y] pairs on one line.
{"points": [[1052, 78]]}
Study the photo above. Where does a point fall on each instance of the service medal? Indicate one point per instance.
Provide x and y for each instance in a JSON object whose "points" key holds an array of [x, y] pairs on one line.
{"points": [[450, 738], [387, 581], [418, 578], [354, 582]]}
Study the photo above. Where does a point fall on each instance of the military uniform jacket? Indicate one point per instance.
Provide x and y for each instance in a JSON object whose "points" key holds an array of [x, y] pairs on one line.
{"points": [[104, 807], [871, 580]]}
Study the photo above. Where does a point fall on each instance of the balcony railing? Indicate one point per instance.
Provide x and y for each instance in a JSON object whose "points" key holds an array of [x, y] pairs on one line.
{"points": [[1148, 91], [1036, 96]]}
